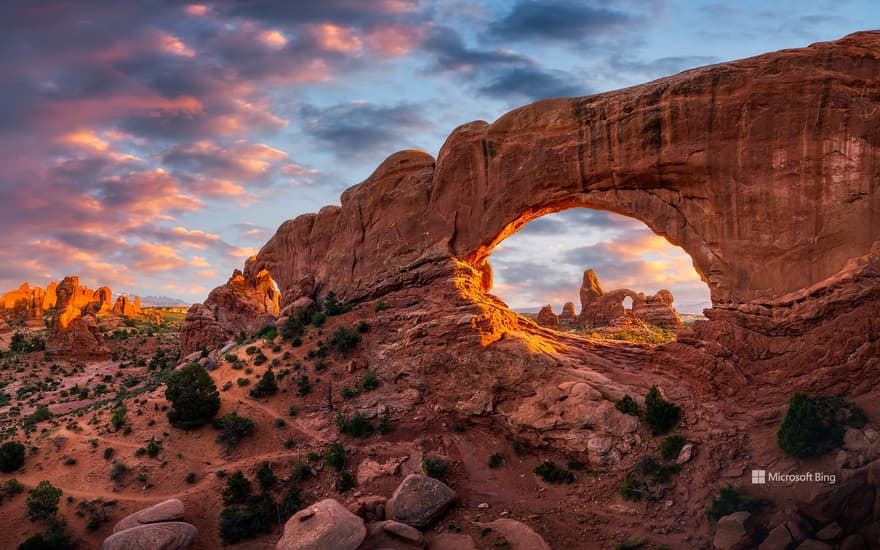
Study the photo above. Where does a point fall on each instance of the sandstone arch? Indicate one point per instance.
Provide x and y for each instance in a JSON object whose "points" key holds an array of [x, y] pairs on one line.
{"points": [[766, 171]]}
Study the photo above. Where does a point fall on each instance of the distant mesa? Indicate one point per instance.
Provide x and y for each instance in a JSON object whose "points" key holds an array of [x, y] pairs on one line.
{"points": [[74, 313]]}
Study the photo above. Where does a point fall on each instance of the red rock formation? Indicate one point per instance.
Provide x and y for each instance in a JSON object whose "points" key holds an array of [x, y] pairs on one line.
{"points": [[73, 332], [764, 170], [600, 307], [126, 307], [568, 314], [103, 300], [23, 304], [241, 305], [546, 317]]}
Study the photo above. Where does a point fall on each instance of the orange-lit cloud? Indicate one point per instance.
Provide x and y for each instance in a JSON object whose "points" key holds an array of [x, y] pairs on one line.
{"points": [[337, 38], [393, 40], [197, 9], [272, 39], [170, 44]]}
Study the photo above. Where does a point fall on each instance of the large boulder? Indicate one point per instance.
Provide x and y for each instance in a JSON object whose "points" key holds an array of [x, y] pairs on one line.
{"points": [[325, 525], [734, 532], [518, 535], [392, 535], [848, 502], [167, 510], [154, 536], [419, 501]]}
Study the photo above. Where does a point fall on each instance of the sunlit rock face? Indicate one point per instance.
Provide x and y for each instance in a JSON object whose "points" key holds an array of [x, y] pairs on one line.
{"points": [[74, 330], [766, 171]]}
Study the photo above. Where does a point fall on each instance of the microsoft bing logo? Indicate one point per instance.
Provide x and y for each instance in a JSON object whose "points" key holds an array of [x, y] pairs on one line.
{"points": [[759, 477]]}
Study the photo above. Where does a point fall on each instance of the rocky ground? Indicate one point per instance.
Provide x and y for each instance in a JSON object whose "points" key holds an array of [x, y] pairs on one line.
{"points": [[428, 408]]}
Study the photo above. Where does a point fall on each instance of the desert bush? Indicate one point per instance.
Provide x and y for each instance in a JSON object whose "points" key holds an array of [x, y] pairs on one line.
{"points": [[332, 306], [291, 501], [630, 489], [56, 537], [344, 483], [117, 419], [551, 473], [303, 386], [435, 467], [266, 386], [117, 470], [237, 489], [233, 428], [627, 405], [246, 522], [815, 425], [344, 339], [370, 380], [11, 456], [380, 306], [660, 415], [153, 448], [356, 426], [496, 460], [671, 446], [729, 500], [193, 395], [265, 477], [42, 503], [334, 455]]}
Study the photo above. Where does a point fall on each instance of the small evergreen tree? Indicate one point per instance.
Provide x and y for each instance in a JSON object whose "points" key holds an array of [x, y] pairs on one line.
{"points": [[193, 395], [660, 414], [266, 386], [42, 503], [11, 456], [237, 489]]}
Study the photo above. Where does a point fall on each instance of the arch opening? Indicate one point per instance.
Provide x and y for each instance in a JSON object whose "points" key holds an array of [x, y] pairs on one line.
{"points": [[584, 268]]}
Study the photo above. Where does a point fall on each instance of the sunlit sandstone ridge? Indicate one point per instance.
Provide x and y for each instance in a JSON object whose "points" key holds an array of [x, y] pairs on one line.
{"points": [[766, 171]]}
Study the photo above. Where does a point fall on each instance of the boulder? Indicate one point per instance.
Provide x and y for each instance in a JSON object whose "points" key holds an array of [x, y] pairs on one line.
{"points": [[518, 535], [778, 539], [154, 536], [325, 525], [811, 544], [734, 532], [392, 535], [449, 541], [167, 510], [848, 502], [419, 501]]}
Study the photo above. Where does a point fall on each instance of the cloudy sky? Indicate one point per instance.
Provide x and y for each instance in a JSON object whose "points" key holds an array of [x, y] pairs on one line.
{"points": [[153, 145]]}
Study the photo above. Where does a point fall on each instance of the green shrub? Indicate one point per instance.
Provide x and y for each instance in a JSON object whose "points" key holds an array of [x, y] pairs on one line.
{"points": [[153, 448], [293, 328], [291, 501], [345, 482], [117, 470], [370, 380], [551, 473], [117, 419], [671, 446], [631, 489], [660, 415], [627, 405], [385, 426], [303, 386], [56, 537], [356, 426], [318, 319], [42, 503], [265, 477], [380, 306], [814, 426], [42, 413], [246, 522], [496, 460], [335, 456], [363, 327], [344, 339], [729, 500], [331, 305], [193, 395], [260, 359], [435, 467], [252, 350], [237, 489], [266, 386], [233, 428], [300, 472], [11, 456], [190, 477], [108, 453]]}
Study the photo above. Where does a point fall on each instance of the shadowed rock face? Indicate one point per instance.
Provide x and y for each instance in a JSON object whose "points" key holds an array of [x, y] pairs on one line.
{"points": [[766, 171]]}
